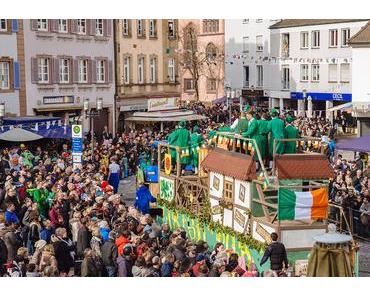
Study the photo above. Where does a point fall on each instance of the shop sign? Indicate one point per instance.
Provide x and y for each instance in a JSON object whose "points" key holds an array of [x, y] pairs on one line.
{"points": [[157, 104], [323, 96], [58, 99]]}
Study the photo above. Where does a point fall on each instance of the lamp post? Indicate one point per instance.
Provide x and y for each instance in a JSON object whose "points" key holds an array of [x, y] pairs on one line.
{"points": [[230, 105], [304, 95], [2, 112], [91, 114]]}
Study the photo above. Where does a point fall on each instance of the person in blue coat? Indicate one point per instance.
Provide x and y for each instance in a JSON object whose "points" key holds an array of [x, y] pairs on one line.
{"points": [[143, 198]]}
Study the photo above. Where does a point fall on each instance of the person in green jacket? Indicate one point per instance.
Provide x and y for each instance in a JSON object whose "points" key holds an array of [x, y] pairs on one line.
{"points": [[263, 135], [291, 132], [196, 140], [38, 196], [276, 128], [180, 138], [252, 131]]}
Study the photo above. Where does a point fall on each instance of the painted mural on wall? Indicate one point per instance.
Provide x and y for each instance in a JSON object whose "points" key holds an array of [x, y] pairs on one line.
{"points": [[167, 188]]}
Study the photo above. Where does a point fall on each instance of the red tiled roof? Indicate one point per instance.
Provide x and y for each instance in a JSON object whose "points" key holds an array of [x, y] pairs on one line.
{"points": [[303, 167], [236, 165], [362, 36], [287, 23]]}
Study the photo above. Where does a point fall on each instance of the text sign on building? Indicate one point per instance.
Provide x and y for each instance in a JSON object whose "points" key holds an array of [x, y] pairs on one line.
{"points": [[58, 99], [77, 145], [156, 104], [323, 96]]}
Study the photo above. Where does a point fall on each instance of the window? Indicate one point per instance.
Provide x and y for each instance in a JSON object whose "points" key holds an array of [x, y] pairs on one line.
{"points": [[285, 45], [259, 20], [345, 74], [4, 76], [333, 38], [63, 26], [245, 21], [81, 26], [246, 76], [126, 27], [153, 70], [259, 76], [188, 84], [42, 24], [210, 26], [304, 39], [82, 74], [99, 27], [346, 34], [211, 84], [100, 71], [259, 43], [140, 28], [228, 191], [171, 70], [304, 72], [171, 28], [211, 52], [315, 39], [64, 65], [152, 28], [246, 44], [126, 70], [43, 70], [140, 70], [285, 78], [315, 71], [333, 73], [3, 25]]}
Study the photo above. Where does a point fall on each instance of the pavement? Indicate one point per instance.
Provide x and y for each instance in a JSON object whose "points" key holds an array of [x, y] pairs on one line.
{"points": [[364, 259], [127, 189]]}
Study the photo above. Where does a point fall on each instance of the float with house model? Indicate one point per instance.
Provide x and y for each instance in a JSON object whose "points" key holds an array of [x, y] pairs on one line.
{"points": [[229, 202]]}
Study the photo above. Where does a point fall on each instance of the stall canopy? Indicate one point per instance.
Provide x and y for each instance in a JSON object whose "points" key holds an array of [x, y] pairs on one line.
{"points": [[360, 144], [165, 116], [33, 128]]}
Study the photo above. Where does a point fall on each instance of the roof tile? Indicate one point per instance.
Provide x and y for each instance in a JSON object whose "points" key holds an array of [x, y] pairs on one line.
{"points": [[287, 23]]}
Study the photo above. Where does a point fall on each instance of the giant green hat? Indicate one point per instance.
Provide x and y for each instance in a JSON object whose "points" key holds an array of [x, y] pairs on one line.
{"points": [[274, 112], [246, 108], [182, 124], [289, 119]]}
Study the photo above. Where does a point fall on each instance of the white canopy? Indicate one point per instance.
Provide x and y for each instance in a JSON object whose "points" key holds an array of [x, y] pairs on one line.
{"points": [[19, 135]]}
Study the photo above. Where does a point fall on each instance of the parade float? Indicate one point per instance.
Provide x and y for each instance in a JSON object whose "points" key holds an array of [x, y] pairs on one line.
{"points": [[228, 201]]}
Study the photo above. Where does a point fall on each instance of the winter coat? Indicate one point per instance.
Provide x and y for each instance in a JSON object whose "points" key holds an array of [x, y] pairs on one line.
{"points": [[125, 264], [63, 255], [109, 253], [12, 242], [83, 240], [120, 243], [277, 254], [89, 268]]}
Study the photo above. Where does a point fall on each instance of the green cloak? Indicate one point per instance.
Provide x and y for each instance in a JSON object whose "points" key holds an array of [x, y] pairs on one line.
{"points": [[291, 132], [276, 127]]}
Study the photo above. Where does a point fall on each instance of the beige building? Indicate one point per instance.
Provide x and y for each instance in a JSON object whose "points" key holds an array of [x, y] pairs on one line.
{"points": [[201, 59], [147, 65]]}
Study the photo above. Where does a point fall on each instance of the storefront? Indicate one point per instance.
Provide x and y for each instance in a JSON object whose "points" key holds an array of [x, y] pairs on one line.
{"points": [[255, 97]]}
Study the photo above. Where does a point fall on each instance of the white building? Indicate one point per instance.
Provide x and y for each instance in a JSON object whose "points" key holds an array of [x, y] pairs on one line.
{"points": [[310, 59], [247, 46]]}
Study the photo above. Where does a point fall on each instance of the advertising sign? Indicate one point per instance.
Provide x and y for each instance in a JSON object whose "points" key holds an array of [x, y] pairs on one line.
{"points": [[322, 96], [77, 146], [157, 104]]}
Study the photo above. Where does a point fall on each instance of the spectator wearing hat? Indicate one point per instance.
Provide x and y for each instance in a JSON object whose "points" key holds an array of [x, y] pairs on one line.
{"points": [[125, 262], [109, 254]]}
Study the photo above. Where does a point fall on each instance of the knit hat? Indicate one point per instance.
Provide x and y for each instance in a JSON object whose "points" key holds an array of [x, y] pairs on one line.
{"points": [[40, 244], [246, 107], [289, 119], [274, 112], [200, 258]]}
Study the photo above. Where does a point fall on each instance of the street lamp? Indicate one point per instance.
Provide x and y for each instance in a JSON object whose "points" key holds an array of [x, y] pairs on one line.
{"points": [[2, 112], [91, 115], [304, 95]]}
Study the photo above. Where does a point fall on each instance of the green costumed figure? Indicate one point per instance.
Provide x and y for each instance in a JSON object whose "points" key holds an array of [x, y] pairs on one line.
{"points": [[291, 132], [196, 140], [263, 135], [180, 138], [276, 127], [242, 127], [27, 159], [252, 132], [38, 196]]}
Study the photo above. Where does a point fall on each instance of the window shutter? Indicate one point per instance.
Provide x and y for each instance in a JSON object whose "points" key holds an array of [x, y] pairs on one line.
{"points": [[75, 71], [74, 28], [175, 28], [92, 27], [93, 71], [129, 27], [34, 71], [90, 71], [143, 22], [34, 24], [16, 75], [110, 72], [14, 25], [108, 28], [54, 25], [55, 70]]}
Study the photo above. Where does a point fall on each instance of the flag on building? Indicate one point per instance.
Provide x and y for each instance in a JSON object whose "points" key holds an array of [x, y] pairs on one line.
{"points": [[303, 205]]}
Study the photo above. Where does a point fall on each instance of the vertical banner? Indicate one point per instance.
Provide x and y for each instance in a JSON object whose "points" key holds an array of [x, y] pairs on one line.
{"points": [[77, 146]]}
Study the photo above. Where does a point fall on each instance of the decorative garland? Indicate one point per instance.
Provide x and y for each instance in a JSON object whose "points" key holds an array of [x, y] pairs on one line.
{"points": [[205, 219]]}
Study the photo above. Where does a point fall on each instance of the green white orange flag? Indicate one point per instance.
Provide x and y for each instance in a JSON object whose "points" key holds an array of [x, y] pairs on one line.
{"points": [[303, 205]]}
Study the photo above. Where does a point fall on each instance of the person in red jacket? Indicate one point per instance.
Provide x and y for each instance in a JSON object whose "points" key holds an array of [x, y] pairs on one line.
{"points": [[123, 240]]}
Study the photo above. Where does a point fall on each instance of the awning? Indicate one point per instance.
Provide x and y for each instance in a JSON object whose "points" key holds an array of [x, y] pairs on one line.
{"points": [[19, 135], [193, 117], [28, 120], [350, 106], [360, 144]]}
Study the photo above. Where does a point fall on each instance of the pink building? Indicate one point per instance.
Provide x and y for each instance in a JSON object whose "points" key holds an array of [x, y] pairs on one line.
{"points": [[201, 59]]}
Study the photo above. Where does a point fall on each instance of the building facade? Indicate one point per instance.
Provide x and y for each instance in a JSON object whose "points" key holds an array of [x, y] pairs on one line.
{"points": [[147, 65], [247, 48], [310, 64], [12, 81], [67, 61], [201, 58]]}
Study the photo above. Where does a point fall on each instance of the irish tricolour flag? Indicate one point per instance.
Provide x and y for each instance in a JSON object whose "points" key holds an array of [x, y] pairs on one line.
{"points": [[303, 205]]}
